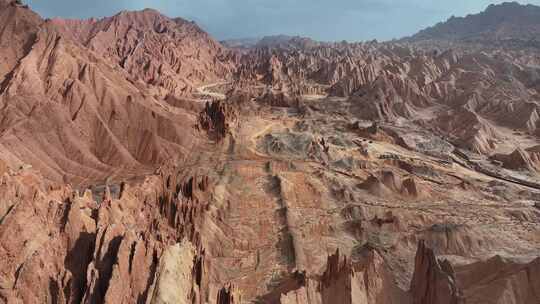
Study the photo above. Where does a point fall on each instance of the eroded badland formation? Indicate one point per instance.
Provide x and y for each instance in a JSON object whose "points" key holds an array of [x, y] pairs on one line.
{"points": [[141, 161]]}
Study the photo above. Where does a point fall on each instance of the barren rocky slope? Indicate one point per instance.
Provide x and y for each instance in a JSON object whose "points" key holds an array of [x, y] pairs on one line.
{"points": [[318, 173], [474, 98], [17, 32], [509, 21], [172, 55], [78, 115]]}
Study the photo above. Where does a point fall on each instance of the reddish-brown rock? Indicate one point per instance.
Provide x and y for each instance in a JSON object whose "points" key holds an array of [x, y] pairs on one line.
{"points": [[433, 281], [133, 170]]}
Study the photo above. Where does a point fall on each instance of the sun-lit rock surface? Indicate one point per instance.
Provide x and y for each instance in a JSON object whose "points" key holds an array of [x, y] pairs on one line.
{"points": [[143, 162]]}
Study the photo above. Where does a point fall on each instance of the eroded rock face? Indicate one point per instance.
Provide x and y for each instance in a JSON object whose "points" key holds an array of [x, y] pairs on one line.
{"points": [[228, 295], [519, 160], [279, 99], [322, 173], [174, 56], [509, 282], [433, 280], [108, 253], [344, 281], [446, 92], [311, 70], [95, 87], [175, 278], [18, 32], [99, 132], [217, 118]]}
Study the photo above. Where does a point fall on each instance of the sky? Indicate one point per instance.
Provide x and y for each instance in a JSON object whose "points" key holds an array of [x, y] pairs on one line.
{"points": [[325, 20]]}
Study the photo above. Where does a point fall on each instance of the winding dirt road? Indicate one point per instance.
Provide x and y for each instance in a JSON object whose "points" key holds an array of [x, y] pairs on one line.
{"points": [[204, 90]]}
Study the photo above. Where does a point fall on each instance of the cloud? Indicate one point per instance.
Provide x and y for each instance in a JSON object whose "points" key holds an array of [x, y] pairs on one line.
{"points": [[320, 19]]}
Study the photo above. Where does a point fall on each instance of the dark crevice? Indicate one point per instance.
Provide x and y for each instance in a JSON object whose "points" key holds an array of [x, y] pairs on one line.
{"points": [[131, 255], [77, 261], [122, 189], [65, 216], [142, 299], [225, 296], [292, 281], [67, 291], [54, 290], [17, 274], [106, 267], [78, 110], [198, 269], [101, 241], [10, 208]]}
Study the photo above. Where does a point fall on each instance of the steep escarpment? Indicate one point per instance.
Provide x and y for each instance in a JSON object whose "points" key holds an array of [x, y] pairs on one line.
{"points": [[519, 160], [173, 56], [508, 282], [344, 281], [433, 280], [78, 118], [17, 34], [153, 254], [217, 118]]}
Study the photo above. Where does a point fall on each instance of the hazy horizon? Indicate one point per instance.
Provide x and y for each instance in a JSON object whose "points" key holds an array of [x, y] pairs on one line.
{"points": [[352, 20]]}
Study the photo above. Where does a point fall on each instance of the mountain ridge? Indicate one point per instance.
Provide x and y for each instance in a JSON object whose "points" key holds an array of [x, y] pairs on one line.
{"points": [[143, 162], [508, 20]]}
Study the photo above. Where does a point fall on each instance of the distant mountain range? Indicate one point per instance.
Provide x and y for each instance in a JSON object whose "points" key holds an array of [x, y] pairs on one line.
{"points": [[509, 21], [240, 42], [274, 41], [506, 21]]}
